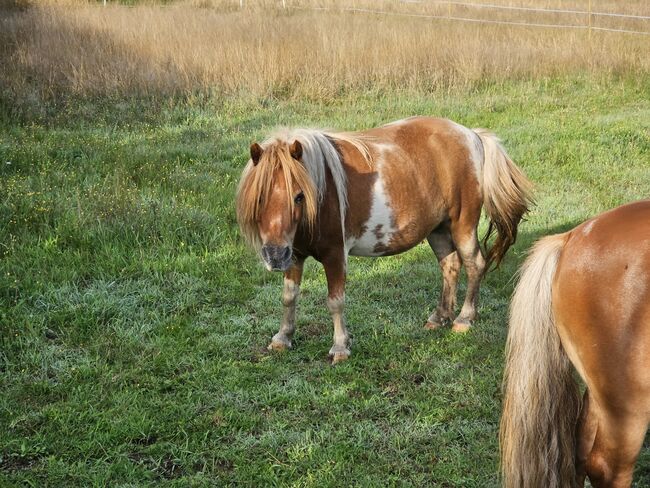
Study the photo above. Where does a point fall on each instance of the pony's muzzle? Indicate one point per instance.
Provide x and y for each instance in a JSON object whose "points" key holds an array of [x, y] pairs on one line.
{"points": [[277, 258]]}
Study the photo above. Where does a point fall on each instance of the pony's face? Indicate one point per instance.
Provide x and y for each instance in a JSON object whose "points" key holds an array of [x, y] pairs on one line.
{"points": [[281, 210], [278, 222]]}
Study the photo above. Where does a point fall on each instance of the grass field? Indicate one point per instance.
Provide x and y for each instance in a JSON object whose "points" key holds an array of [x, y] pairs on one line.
{"points": [[133, 321]]}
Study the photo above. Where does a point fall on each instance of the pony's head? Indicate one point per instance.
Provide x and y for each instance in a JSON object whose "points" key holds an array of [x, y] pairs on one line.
{"points": [[275, 196]]}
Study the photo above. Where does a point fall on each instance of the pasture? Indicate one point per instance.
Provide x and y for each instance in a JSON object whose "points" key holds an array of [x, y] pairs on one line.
{"points": [[133, 320]]}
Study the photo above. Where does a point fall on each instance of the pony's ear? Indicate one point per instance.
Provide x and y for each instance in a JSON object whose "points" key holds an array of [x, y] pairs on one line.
{"points": [[295, 149], [256, 153]]}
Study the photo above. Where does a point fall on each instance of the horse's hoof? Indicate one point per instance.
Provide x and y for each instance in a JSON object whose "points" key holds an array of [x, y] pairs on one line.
{"points": [[433, 325], [279, 345], [339, 355], [461, 326]]}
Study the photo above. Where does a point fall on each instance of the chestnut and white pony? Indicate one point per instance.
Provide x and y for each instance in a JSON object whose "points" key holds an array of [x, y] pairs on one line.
{"points": [[583, 299], [376, 193]]}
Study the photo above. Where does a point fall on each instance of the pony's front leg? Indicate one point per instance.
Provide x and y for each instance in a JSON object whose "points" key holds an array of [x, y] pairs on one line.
{"points": [[292, 277], [335, 272]]}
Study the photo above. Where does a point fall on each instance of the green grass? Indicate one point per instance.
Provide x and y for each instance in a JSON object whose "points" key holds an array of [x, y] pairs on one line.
{"points": [[134, 322]]}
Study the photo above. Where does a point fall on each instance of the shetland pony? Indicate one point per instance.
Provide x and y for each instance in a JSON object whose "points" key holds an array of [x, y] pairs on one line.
{"points": [[376, 193], [583, 299]]}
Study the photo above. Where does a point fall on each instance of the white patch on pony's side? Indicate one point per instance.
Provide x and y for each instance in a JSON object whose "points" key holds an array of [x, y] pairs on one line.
{"points": [[382, 147], [474, 148], [379, 226], [588, 226], [399, 122]]}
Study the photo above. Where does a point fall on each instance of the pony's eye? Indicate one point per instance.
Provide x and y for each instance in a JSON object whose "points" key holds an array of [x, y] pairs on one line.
{"points": [[300, 197]]}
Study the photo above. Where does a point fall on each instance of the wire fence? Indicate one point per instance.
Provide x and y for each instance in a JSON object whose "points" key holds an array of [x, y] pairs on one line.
{"points": [[528, 9], [587, 25]]}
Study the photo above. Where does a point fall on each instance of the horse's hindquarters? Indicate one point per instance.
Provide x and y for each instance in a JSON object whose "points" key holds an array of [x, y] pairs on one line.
{"points": [[601, 305]]}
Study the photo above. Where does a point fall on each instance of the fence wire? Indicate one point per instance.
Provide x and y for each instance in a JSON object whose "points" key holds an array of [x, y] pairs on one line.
{"points": [[528, 9], [488, 21]]}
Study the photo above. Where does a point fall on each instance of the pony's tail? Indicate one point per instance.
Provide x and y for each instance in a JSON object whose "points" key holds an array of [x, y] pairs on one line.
{"points": [[541, 401], [507, 194]]}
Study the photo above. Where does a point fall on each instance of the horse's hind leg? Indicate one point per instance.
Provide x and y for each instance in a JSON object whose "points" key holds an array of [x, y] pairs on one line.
{"points": [[292, 278], [586, 434], [465, 239], [443, 247], [618, 440]]}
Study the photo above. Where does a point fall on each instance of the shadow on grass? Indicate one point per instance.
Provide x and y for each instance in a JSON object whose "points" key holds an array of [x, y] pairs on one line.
{"points": [[413, 267]]}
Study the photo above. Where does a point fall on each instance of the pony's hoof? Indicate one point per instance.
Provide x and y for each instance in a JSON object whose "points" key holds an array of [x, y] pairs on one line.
{"points": [[339, 355], [461, 326], [433, 325], [279, 345]]}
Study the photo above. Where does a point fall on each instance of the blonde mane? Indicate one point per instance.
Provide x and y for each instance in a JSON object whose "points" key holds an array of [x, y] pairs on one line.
{"points": [[319, 154]]}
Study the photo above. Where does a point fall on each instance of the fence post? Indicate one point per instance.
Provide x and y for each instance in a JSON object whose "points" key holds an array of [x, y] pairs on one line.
{"points": [[589, 19]]}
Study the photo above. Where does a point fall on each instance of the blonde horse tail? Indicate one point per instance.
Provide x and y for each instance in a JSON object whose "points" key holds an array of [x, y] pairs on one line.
{"points": [[541, 401], [507, 194]]}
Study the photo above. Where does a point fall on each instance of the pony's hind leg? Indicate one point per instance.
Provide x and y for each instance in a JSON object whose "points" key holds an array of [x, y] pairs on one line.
{"points": [[443, 247], [586, 434], [466, 241], [618, 438], [292, 277]]}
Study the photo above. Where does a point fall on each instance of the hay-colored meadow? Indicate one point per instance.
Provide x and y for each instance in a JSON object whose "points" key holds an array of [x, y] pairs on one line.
{"points": [[262, 49]]}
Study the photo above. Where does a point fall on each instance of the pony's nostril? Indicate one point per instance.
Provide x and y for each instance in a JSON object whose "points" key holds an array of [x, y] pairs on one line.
{"points": [[266, 253], [276, 256], [286, 254]]}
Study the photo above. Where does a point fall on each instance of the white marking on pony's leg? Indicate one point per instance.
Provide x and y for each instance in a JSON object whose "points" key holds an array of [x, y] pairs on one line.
{"points": [[474, 263], [443, 247], [450, 266], [339, 350], [282, 340]]}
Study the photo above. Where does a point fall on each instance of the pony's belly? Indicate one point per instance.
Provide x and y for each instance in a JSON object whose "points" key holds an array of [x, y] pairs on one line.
{"points": [[374, 252], [367, 245], [373, 243]]}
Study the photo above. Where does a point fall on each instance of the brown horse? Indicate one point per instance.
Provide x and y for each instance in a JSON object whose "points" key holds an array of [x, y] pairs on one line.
{"points": [[377, 193], [583, 298]]}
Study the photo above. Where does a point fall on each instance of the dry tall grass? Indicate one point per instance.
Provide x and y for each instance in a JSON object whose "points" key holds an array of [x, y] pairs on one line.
{"points": [[55, 48]]}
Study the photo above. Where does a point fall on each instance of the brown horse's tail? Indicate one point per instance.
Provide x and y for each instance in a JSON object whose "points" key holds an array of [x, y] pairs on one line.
{"points": [[507, 194], [541, 401]]}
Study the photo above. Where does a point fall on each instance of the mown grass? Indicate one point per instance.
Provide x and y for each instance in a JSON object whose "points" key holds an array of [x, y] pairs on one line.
{"points": [[134, 322]]}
